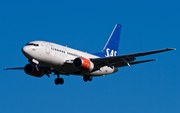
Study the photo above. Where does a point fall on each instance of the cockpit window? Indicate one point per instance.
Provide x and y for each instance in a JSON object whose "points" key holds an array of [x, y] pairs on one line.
{"points": [[36, 44], [32, 44]]}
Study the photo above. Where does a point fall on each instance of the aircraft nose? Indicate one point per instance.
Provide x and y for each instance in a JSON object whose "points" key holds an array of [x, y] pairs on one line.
{"points": [[25, 51]]}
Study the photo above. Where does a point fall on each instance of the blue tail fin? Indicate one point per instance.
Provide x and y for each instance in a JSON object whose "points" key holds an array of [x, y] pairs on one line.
{"points": [[111, 47]]}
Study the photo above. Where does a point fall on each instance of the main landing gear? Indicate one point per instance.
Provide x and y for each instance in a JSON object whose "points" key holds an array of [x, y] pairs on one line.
{"points": [[58, 80], [87, 77]]}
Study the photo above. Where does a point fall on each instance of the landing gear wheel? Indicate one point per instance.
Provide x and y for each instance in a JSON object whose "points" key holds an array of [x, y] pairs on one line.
{"points": [[85, 78], [90, 78], [56, 81], [61, 81]]}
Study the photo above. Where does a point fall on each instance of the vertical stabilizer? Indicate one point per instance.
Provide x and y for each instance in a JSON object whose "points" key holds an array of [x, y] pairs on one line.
{"points": [[112, 45]]}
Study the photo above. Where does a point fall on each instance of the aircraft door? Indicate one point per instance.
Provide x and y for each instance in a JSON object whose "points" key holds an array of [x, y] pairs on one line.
{"points": [[47, 46]]}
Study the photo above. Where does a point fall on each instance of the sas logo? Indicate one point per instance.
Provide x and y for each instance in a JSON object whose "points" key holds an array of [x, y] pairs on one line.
{"points": [[110, 52]]}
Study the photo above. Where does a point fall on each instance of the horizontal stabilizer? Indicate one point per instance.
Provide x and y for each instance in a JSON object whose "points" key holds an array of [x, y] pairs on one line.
{"points": [[122, 64]]}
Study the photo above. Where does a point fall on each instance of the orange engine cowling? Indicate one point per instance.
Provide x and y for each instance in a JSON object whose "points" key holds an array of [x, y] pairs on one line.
{"points": [[83, 64], [34, 70]]}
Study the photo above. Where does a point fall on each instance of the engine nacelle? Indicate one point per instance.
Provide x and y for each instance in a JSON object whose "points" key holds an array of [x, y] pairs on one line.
{"points": [[83, 64], [34, 70]]}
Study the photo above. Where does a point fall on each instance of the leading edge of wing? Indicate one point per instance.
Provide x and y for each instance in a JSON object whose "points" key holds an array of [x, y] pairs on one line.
{"points": [[17, 68], [118, 58], [148, 52]]}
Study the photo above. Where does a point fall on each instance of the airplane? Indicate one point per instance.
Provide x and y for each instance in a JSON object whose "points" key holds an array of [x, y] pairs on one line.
{"points": [[46, 58]]}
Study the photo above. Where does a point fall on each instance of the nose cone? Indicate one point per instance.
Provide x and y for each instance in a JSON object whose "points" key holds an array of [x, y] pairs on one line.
{"points": [[26, 51], [23, 50]]}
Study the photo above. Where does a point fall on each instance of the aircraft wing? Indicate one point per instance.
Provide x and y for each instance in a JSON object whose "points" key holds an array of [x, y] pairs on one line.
{"points": [[17, 68], [124, 59], [122, 64], [47, 70]]}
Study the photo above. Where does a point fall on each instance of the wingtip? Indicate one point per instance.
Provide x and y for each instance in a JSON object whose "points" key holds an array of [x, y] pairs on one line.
{"points": [[171, 48], [153, 60]]}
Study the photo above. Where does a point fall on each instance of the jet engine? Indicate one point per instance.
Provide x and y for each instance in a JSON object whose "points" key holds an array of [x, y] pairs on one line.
{"points": [[83, 64], [34, 70]]}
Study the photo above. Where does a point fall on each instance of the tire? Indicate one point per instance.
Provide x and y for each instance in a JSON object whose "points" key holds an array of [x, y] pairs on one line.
{"points": [[85, 78], [56, 81], [61, 81], [90, 78]]}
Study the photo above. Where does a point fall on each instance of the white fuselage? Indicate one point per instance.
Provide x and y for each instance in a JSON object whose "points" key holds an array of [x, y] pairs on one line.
{"points": [[60, 58]]}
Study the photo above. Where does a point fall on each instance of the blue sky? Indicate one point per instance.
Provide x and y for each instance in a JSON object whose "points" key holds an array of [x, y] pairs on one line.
{"points": [[86, 25]]}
